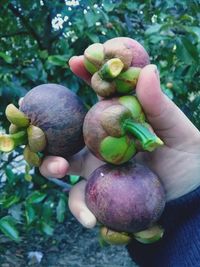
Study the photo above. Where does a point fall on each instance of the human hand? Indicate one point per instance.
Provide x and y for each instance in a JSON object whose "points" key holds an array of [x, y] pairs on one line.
{"points": [[177, 163]]}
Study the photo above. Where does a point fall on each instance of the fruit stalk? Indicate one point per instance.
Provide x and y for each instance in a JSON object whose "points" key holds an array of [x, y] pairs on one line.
{"points": [[111, 69], [148, 139]]}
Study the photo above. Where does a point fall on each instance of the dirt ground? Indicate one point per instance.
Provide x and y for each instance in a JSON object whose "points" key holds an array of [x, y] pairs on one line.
{"points": [[71, 246]]}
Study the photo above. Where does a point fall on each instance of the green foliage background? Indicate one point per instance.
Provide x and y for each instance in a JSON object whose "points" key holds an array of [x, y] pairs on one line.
{"points": [[37, 38]]}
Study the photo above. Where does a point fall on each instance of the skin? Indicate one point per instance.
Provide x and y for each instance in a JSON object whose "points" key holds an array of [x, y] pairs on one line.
{"points": [[177, 163]]}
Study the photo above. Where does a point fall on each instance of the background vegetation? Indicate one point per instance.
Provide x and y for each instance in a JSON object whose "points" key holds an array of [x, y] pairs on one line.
{"points": [[38, 37]]}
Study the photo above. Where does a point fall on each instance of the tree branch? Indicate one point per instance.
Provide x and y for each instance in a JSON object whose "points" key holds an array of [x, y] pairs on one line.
{"points": [[26, 24]]}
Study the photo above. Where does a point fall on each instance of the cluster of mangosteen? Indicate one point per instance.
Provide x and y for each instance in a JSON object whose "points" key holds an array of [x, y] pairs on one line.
{"points": [[126, 198]]}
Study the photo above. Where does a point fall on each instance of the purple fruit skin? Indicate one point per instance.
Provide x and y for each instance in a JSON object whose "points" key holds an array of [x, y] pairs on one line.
{"points": [[127, 198], [60, 114]]}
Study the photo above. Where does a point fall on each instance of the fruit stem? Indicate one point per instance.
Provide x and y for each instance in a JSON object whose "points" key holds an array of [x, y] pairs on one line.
{"points": [[111, 69], [148, 139], [8, 142]]}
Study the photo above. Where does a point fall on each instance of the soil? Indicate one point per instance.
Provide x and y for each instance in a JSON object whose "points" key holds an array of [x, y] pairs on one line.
{"points": [[70, 246]]}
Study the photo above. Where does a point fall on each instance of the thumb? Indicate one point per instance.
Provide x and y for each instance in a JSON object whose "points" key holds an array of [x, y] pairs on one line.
{"points": [[167, 120]]}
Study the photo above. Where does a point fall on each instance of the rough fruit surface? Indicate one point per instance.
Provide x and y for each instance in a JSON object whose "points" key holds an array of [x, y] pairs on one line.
{"points": [[127, 198]]}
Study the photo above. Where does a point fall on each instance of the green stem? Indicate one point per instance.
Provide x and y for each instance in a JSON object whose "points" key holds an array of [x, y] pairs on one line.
{"points": [[111, 69], [148, 139], [8, 142]]}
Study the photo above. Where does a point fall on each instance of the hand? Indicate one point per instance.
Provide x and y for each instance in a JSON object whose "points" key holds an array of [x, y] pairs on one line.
{"points": [[177, 163]]}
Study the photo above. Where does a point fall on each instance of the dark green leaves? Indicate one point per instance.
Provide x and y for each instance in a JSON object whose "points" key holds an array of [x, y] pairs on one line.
{"points": [[187, 51], [61, 209], [5, 57], [7, 226], [58, 60], [36, 197]]}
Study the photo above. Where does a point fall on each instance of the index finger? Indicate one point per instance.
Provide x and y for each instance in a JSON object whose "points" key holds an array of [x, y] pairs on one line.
{"points": [[77, 67]]}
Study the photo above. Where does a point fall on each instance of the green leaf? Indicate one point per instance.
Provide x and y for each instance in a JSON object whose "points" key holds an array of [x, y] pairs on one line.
{"points": [[48, 209], [153, 29], [36, 197], [47, 229], [31, 73], [191, 49], [8, 228], [91, 18], [43, 54], [74, 179], [6, 58], [11, 200], [93, 37], [132, 6], [12, 177], [58, 60], [61, 209], [108, 5], [30, 213], [194, 30]]}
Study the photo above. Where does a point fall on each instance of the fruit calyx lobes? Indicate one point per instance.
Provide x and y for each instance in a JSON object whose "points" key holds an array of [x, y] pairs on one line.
{"points": [[21, 132], [110, 65], [124, 123]]}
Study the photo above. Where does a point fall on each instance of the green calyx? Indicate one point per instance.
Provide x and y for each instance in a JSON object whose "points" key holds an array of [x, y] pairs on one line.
{"points": [[132, 103], [127, 80], [32, 158], [112, 63], [22, 133], [149, 236], [117, 150], [112, 119], [16, 117], [94, 57], [114, 238], [102, 87], [36, 139], [120, 122]]}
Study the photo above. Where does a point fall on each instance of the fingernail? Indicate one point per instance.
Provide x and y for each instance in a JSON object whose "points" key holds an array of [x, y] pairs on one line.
{"points": [[155, 69], [87, 219]]}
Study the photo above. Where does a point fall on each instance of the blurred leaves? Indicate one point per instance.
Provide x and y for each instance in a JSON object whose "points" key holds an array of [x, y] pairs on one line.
{"points": [[7, 226]]}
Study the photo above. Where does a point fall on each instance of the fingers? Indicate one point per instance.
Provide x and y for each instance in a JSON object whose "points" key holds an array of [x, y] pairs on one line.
{"points": [[78, 68], [52, 166], [78, 206], [168, 121], [82, 164]]}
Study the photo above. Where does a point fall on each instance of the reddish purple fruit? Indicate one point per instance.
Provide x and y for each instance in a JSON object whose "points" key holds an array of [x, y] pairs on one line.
{"points": [[126, 198], [59, 113]]}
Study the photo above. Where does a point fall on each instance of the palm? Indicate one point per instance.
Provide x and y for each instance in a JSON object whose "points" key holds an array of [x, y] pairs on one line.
{"points": [[177, 163]]}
